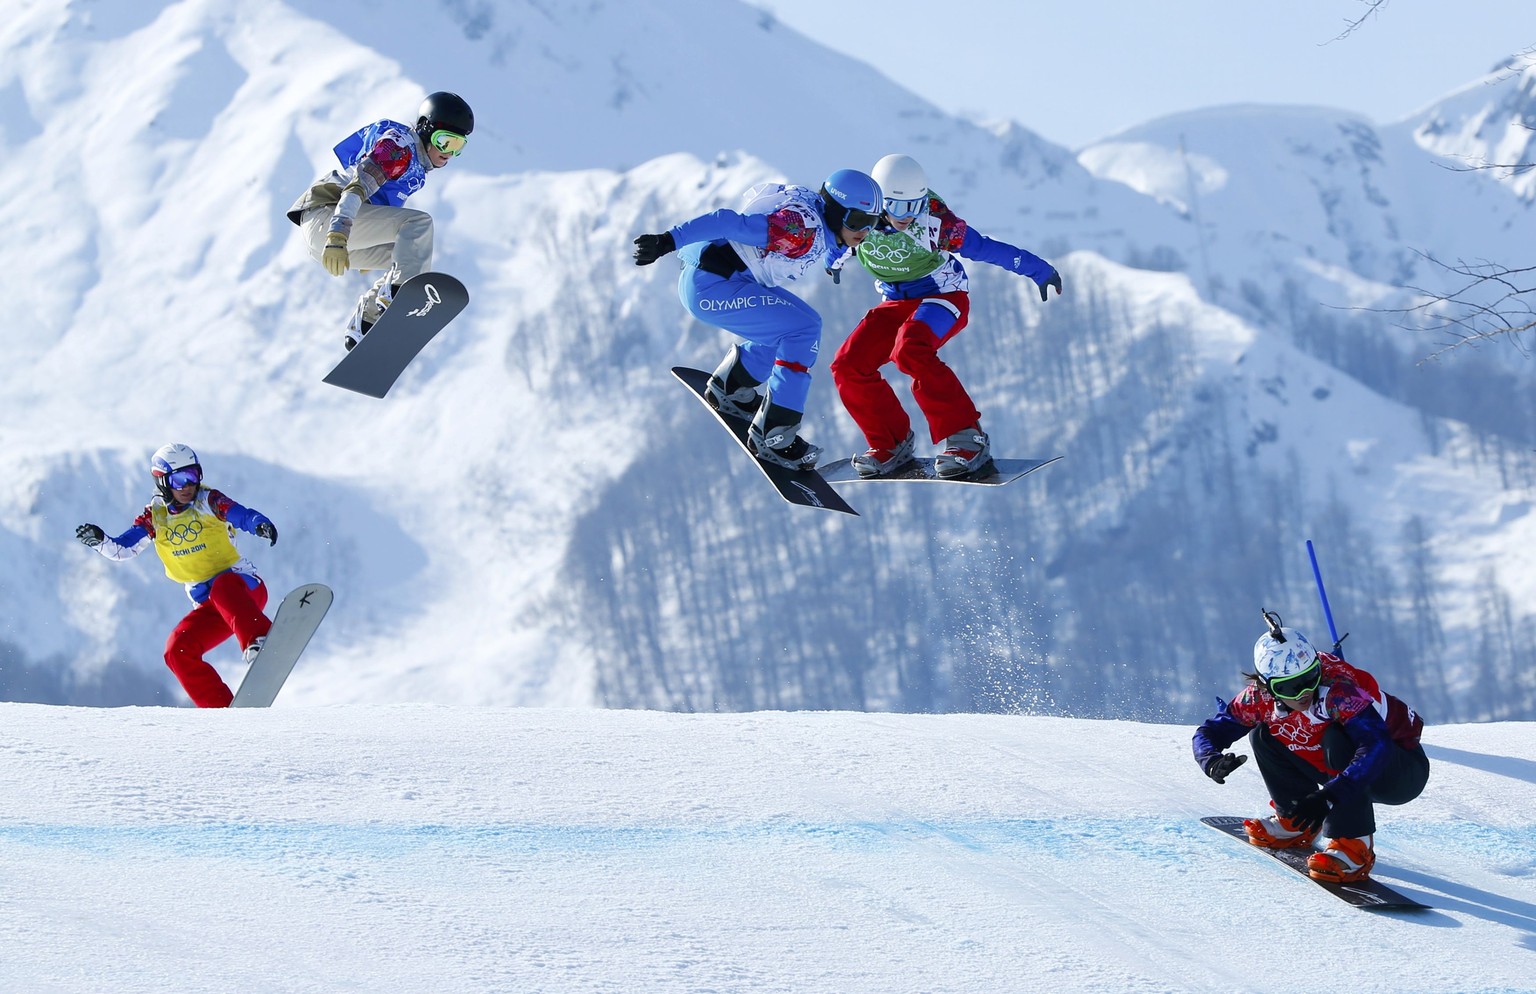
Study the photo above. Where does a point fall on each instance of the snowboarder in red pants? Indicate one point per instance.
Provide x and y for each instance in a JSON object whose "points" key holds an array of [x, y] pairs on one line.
{"points": [[913, 254], [192, 528]]}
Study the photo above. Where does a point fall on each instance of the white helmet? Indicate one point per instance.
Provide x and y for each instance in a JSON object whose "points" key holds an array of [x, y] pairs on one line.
{"points": [[174, 460], [1276, 659], [904, 184]]}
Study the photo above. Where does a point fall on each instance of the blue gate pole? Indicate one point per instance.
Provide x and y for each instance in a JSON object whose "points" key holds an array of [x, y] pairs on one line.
{"points": [[1327, 611]]}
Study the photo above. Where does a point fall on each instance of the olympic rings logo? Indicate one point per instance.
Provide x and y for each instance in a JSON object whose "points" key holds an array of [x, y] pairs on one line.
{"points": [[184, 534], [887, 252]]}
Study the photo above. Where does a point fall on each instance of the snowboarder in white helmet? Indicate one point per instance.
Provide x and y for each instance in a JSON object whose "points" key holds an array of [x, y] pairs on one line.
{"points": [[734, 265], [354, 217], [913, 253], [1329, 743], [192, 528]]}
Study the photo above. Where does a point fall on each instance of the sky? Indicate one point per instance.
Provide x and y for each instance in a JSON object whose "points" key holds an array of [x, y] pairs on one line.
{"points": [[310, 850], [1077, 72]]}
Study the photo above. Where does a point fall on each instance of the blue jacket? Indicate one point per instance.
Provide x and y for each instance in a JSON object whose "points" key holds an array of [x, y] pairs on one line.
{"points": [[399, 149]]}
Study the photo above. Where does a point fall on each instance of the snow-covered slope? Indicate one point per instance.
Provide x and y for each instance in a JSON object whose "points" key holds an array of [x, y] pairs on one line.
{"points": [[479, 850], [536, 516]]}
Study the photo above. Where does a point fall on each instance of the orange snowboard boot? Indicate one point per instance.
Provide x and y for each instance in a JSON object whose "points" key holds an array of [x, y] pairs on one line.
{"points": [[1343, 862], [1277, 832]]}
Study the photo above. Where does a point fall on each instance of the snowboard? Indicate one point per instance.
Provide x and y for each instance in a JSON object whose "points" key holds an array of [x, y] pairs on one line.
{"points": [[995, 473], [805, 487], [1369, 893], [422, 308], [295, 622]]}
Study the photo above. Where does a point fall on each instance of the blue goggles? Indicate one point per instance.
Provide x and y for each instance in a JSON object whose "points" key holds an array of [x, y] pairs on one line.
{"points": [[900, 210], [178, 478]]}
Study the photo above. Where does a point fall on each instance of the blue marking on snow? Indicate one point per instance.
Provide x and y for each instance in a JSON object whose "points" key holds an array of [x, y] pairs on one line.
{"points": [[1148, 839], [1090, 838]]}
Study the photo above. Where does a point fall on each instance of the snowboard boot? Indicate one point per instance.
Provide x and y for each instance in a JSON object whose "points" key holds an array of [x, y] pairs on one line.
{"points": [[1277, 832], [1344, 861], [774, 438], [253, 650], [370, 307], [878, 462], [964, 452], [731, 391]]}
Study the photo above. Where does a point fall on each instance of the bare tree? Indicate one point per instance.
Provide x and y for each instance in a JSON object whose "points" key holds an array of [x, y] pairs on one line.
{"points": [[1371, 8], [1488, 300]]}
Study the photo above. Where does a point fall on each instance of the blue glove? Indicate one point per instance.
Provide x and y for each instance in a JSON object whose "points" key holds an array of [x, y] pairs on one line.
{"points": [[1055, 281], [268, 531]]}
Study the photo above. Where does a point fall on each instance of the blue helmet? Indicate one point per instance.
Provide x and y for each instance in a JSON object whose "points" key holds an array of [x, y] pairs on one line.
{"points": [[850, 199]]}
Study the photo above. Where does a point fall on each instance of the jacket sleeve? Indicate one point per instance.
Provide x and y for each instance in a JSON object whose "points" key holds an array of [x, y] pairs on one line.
{"points": [[723, 225], [1372, 742], [1016, 260], [242, 517], [127, 545], [387, 158], [1217, 732]]}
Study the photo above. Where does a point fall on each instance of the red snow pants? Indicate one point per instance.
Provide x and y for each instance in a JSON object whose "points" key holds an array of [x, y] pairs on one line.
{"points": [[232, 608], [910, 334]]}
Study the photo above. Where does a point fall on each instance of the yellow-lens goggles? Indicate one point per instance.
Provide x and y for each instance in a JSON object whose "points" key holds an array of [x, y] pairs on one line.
{"points": [[448, 142]]}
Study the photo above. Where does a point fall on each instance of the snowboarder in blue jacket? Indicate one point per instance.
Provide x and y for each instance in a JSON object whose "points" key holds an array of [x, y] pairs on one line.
{"points": [[734, 265], [355, 217]]}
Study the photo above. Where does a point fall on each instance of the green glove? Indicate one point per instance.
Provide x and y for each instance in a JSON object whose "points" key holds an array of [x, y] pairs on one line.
{"points": [[335, 254]]}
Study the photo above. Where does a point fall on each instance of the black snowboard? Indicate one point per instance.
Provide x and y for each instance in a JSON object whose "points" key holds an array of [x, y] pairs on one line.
{"points": [[993, 474], [804, 487], [422, 308], [1369, 893]]}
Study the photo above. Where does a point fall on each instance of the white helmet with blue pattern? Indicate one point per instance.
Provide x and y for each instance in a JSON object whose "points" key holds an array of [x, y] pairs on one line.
{"points": [[1276, 659]]}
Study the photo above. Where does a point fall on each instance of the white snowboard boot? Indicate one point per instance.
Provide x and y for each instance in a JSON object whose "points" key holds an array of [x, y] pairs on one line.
{"points": [[964, 452], [878, 462], [370, 307]]}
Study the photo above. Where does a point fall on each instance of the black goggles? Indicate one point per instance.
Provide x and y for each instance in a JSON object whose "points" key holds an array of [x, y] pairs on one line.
{"points": [[859, 220], [1291, 687]]}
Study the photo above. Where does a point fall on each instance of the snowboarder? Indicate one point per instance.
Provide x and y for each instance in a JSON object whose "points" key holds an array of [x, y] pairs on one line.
{"points": [[913, 255], [192, 528], [734, 263], [1329, 743], [354, 217]]}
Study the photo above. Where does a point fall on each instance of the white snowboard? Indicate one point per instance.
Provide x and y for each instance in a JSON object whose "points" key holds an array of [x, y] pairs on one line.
{"points": [[297, 618]]}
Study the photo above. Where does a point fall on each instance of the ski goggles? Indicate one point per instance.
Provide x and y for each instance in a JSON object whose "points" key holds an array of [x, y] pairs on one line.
{"points": [[178, 478], [448, 142], [859, 220], [900, 210], [1297, 685]]}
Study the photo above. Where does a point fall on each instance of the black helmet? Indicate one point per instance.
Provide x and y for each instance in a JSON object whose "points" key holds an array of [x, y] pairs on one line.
{"points": [[445, 111]]}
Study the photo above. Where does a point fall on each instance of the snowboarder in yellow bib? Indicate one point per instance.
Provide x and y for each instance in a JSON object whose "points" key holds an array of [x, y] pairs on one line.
{"points": [[192, 529]]}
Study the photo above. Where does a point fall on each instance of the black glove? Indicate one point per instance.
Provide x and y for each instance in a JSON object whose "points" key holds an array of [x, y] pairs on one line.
{"points": [[268, 531], [1055, 281], [1308, 813], [90, 535], [1220, 766], [649, 248]]}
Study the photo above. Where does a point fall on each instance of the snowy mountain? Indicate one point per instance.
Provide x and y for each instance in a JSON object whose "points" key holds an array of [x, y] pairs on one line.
{"points": [[306, 850], [537, 516]]}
